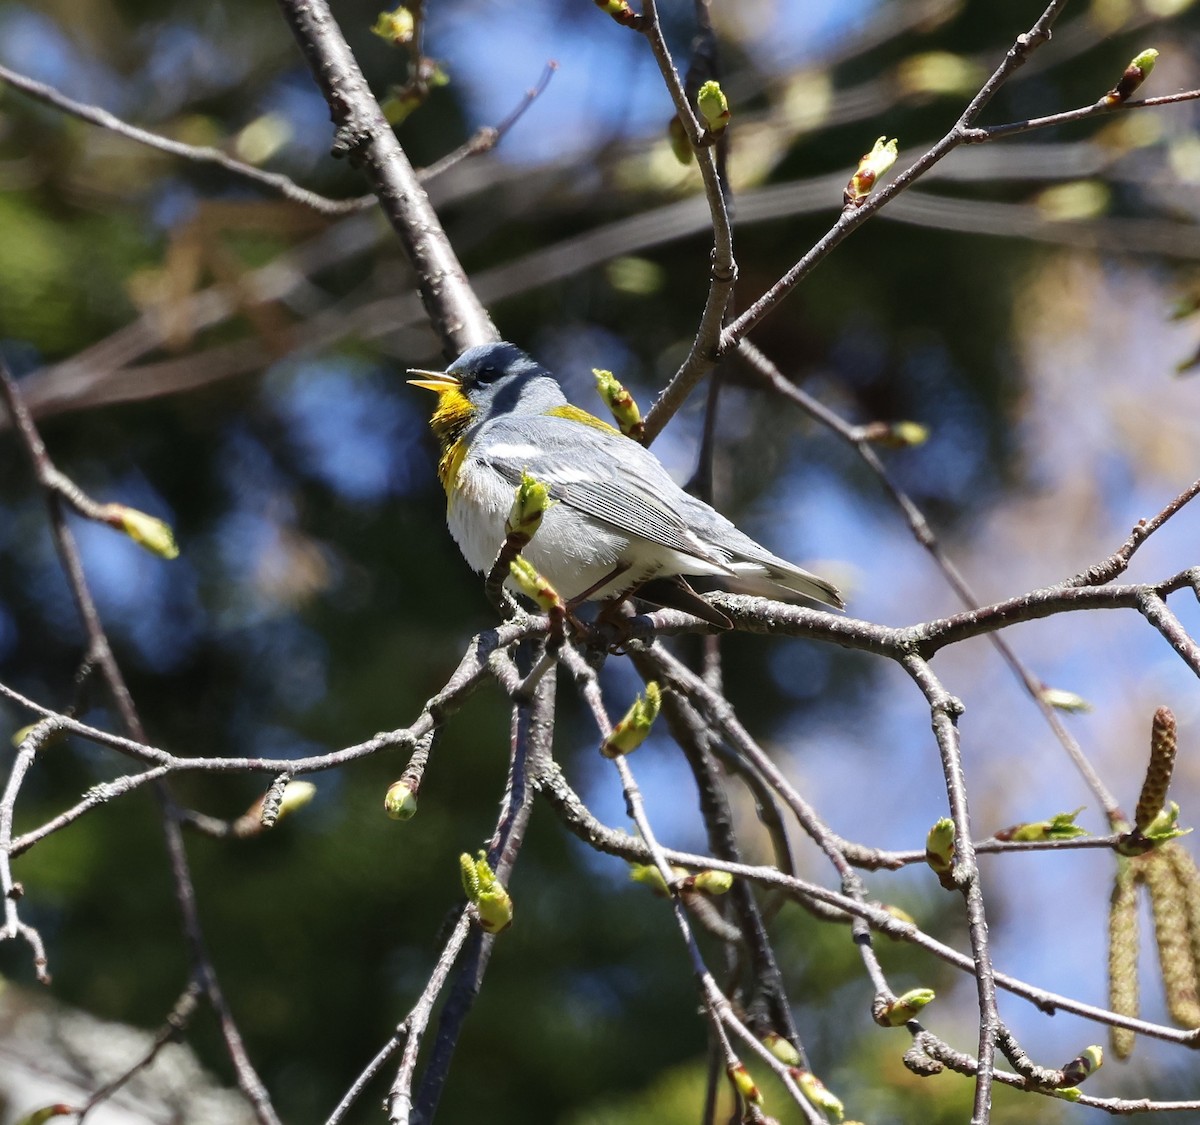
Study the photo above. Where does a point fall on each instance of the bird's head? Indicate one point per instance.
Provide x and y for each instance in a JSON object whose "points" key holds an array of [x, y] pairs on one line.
{"points": [[484, 382]]}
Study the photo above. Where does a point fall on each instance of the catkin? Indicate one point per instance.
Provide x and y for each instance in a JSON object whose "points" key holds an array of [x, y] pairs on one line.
{"points": [[1123, 955], [1153, 797]]}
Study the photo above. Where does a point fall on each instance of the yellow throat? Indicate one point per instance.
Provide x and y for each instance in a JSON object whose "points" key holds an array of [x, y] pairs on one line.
{"points": [[451, 417]]}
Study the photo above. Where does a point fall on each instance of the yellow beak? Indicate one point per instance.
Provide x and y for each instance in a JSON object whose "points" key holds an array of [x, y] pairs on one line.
{"points": [[439, 381]]}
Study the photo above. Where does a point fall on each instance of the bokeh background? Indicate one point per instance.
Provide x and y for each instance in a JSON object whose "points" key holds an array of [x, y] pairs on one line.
{"points": [[234, 364]]}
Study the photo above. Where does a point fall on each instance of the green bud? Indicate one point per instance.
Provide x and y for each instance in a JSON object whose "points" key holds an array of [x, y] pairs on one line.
{"points": [[681, 145], [1061, 826], [649, 875], [1159, 831], [486, 893], [48, 735], [781, 1048], [907, 434], [899, 913], [530, 502], [400, 801], [1135, 74], [817, 1093], [744, 1084], [712, 882], [1063, 700], [897, 1012], [495, 910], [895, 435], [41, 1116], [714, 107], [873, 165], [939, 842], [631, 731], [939, 851], [1091, 1060], [621, 12], [296, 794], [470, 875], [146, 531], [396, 27], [881, 157], [624, 409], [533, 585], [400, 102]]}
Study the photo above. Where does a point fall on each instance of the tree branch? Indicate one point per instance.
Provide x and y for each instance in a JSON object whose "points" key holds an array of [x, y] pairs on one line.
{"points": [[365, 137]]}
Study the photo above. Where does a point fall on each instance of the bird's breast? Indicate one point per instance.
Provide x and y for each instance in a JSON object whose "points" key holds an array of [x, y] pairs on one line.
{"points": [[571, 550]]}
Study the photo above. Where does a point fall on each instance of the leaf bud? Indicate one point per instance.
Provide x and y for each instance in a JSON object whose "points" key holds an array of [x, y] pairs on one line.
{"points": [[632, 730], [400, 801], [873, 165]]}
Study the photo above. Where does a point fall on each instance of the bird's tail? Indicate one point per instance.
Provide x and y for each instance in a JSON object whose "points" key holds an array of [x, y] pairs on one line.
{"points": [[810, 585], [761, 576]]}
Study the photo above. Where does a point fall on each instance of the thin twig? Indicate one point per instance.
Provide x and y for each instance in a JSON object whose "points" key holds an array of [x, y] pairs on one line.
{"points": [[472, 671], [722, 267], [944, 710], [720, 1012], [100, 653], [852, 218], [533, 735], [399, 1102], [199, 154], [95, 797], [9, 888], [364, 135], [1098, 109], [488, 137], [693, 738], [1117, 563], [924, 535], [176, 1021], [579, 820]]}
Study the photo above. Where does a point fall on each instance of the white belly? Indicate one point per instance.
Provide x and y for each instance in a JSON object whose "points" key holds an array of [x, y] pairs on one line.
{"points": [[572, 552]]}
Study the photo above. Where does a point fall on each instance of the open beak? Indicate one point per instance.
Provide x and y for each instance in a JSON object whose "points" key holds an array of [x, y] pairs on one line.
{"points": [[435, 380]]}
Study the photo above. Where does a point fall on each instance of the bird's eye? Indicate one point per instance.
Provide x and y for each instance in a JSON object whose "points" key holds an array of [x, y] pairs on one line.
{"points": [[486, 373]]}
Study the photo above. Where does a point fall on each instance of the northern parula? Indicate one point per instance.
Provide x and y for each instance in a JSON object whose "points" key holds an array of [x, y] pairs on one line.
{"points": [[617, 523]]}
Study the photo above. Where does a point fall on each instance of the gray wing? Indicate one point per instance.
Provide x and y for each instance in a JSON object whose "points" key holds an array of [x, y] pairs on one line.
{"points": [[614, 479], [610, 478]]}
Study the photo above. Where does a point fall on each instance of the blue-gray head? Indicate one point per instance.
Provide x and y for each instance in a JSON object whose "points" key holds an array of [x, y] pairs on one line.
{"points": [[485, 381]]}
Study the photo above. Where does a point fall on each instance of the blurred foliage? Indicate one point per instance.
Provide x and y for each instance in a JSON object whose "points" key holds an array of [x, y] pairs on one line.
{"points": [[318, 598]]}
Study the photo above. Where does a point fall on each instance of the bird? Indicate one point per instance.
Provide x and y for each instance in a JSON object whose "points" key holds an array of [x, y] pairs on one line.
{"points": [[617, 523]]}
